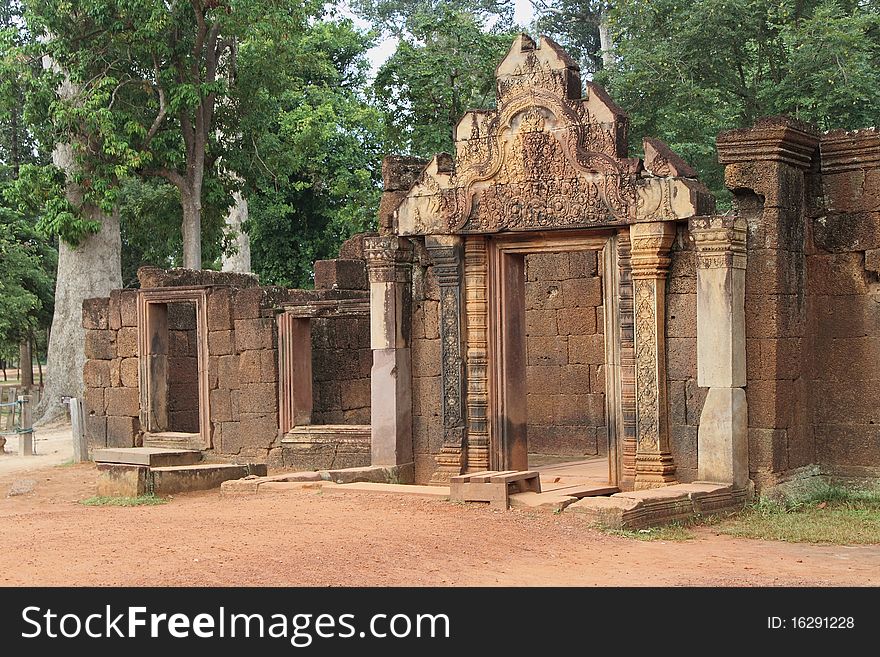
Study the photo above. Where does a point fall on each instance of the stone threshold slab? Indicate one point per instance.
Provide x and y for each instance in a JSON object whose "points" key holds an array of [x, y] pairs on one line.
{"points": [[148, 456], [659, 506]]}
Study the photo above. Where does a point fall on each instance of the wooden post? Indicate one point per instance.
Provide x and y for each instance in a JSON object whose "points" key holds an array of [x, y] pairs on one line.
{"points": [[26, 430], [77, 421]]}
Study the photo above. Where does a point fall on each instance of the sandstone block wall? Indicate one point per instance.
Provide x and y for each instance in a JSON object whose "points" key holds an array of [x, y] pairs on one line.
{"points": [[427, 392], [565, 355], [843, 302], [685, 397], [110, 373]]}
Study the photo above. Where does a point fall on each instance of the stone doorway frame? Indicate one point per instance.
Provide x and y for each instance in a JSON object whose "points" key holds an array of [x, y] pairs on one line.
{"points": [[152, 319], [506, 353]]}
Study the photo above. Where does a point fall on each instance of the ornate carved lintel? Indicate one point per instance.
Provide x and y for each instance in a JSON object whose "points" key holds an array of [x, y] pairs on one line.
{"points": [[651, 243], [446, 253]]}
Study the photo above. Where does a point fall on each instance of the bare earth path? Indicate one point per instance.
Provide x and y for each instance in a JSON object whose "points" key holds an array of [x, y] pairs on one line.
{"points": [[355, 539]]}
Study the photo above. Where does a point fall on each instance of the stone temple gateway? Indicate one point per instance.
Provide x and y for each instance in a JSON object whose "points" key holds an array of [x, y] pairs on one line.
{"points": [[538, 294]]}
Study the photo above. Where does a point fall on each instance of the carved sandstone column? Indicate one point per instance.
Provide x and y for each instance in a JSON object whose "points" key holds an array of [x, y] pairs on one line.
{"points": [[723, 447], [627, 362], [476, 271], [389, 263], [650, 262], [446, 253]]}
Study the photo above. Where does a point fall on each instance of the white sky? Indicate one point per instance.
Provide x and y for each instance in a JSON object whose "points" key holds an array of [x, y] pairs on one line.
{"points": [[378, 55]]}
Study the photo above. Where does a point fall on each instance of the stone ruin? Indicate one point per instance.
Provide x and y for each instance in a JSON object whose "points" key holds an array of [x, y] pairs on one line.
{"points": [[538, 292]]}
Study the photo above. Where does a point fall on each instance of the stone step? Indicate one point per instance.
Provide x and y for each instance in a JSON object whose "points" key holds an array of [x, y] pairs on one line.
{"points": [[153, 457], [173, 440], [586, 490], [204, 476]]}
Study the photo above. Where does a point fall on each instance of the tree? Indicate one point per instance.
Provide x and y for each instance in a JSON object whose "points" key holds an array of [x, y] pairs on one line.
{"points": [[310, 148], [157, 89], [444, 65], [686, 71], [579, 26]]}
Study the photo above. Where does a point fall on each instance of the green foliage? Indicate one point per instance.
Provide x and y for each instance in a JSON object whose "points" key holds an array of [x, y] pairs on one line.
{"points": [[575, 24], [444, 65], [828, 514], [685, 71], [27, 267], [311, 148]]}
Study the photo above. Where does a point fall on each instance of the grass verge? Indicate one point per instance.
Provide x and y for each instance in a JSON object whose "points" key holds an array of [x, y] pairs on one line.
{"points": [[676, 531], [141, 500], [830, 514]]}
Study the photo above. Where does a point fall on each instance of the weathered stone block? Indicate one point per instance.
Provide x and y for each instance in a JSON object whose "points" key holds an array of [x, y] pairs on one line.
{"points": [[547, 267], [221, 406], [355, 394], [219, 309], [547, 351], [681, 315], [122, 431], [254, 334], [838, 274], [228, 368], [129, 372], [221, 343], [541, 295], [96, 430], [847, 316], [681, 358], [580, 409], [848, 445], [844, 191], [96, 314], [426, 357], [781, 358], [683, 443], [117, 480], [571, 378], [597, 379], [246, 303], [183, 369], [580, 292], [122, 402], [695, 397], [127, 342], [128, 308], [770, 403], [258, 398], [96, 373], [258, 429], [340, 274], [562, 440], [768, 450], [541, 323], [94, 401], [100, 345], [576, 321], [582, 264], [250, 367], [268, 366], [675, 393], [588, 349]]}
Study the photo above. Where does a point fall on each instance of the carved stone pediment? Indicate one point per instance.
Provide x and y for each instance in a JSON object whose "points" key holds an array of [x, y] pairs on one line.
{"points": [[550, 156]]}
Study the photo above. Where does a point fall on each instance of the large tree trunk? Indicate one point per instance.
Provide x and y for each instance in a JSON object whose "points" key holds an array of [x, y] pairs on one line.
{"points": [[191, 201], [605, 42], [26, 364], [91, 269], [240, 261]]}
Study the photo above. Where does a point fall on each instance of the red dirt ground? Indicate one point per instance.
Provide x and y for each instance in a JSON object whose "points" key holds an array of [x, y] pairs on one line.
{"points": [[356, 539]]}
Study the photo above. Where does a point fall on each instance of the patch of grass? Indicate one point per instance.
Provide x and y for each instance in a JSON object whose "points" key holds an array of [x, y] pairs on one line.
{"points": [[829, 514], [141, 500], [675, 531]]}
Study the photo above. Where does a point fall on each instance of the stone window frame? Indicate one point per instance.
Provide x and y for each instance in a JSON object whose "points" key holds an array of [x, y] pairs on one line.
{"points": [[164, 296]]}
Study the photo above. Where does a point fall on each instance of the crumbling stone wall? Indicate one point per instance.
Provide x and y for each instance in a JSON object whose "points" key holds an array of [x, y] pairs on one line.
{"points": [[685, 397], [427, 391], [341, 354], [565, 354], [110, 372], [843, 304]]}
